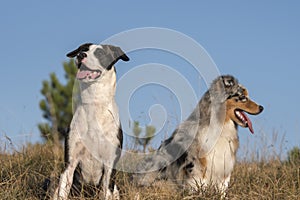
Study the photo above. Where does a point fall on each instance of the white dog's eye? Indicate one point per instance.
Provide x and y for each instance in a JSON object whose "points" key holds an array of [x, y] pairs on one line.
{"points": [[80, 57]]}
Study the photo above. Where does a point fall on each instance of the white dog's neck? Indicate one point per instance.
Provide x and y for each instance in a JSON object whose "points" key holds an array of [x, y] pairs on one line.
{"points": [[100, 91]]}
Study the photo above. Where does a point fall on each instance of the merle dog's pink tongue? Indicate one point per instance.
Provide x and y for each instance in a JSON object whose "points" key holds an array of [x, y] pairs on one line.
{"points": [[249, 123], [82, 74]]}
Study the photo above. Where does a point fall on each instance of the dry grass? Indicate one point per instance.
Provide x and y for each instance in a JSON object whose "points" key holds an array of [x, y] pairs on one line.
{"points": [[22, 176]]}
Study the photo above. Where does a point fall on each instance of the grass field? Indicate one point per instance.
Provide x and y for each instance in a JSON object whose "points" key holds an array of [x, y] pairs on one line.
{"points": [[22, 175]]}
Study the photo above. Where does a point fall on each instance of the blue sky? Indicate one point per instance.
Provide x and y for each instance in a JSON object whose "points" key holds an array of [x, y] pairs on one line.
{"points": [[256, 41]]}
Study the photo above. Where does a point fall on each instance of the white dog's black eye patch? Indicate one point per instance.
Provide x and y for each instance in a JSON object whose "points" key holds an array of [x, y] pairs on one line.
{"points": [[82, 48]]}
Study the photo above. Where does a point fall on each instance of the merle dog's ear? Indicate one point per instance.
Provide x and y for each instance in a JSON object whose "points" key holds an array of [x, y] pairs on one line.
{"points": [[231, 85], [229, 81], [81, 48]]}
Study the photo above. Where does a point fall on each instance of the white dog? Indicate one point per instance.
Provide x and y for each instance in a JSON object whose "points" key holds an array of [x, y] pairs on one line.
{"points": [[95, 139]]}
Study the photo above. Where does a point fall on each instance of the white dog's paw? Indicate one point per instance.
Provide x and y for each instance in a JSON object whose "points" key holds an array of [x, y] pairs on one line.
{"points": [[116, 194], [137, 196], [112, 196]]}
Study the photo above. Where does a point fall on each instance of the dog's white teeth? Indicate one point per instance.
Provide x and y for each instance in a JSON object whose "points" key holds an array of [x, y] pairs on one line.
{"points": [[240, 116]]}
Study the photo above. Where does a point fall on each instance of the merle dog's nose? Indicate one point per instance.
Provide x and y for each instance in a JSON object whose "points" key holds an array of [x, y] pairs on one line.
{"points": [[261, 108]]}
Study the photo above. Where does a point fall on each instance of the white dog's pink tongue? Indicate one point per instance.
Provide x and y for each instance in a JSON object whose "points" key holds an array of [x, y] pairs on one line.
{"points": [[249, 123], [82, 74]]}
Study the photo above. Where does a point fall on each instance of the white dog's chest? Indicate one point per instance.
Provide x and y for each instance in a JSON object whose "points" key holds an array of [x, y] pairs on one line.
{"points": [[102, 123]]}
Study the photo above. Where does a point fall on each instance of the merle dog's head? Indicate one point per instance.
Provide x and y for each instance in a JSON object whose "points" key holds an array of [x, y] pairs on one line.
{"points": [[227, 89], [92, 60]]}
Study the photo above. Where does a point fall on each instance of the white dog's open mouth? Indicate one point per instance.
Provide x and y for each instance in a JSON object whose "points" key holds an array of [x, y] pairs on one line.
{"points": [[86, 73]]}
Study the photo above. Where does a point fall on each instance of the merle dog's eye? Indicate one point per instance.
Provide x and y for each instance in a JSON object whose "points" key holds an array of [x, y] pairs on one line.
{"points": [[243, 98]]}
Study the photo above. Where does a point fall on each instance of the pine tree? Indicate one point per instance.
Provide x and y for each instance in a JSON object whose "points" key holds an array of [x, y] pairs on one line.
{"points": [[57, 103]]}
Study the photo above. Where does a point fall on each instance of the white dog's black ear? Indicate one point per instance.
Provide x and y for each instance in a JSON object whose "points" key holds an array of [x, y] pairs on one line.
{"points": [[118, 53], [113, 54], [82, 48]]}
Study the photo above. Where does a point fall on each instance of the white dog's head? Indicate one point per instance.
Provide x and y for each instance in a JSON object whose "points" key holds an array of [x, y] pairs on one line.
{"points": [[92, 60]]}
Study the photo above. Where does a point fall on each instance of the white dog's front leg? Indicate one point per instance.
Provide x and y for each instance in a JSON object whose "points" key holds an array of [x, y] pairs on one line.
{"points": [[65, 183], [106, 181], [116, 194]]}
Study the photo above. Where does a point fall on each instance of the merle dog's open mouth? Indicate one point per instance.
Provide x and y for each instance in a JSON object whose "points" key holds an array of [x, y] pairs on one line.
{"points": [[86, 73], [242, 116]]}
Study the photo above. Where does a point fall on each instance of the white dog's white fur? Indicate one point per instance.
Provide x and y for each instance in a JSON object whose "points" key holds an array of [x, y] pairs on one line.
{"points": [[95, 137]]}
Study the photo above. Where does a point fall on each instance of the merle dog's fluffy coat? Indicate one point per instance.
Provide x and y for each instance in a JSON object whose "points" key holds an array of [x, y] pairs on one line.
{"points": [[202, 150]]}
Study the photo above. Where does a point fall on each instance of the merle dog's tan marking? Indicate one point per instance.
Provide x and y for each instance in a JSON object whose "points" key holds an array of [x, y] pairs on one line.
{"points": [[186, 158], [95, 138]]}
